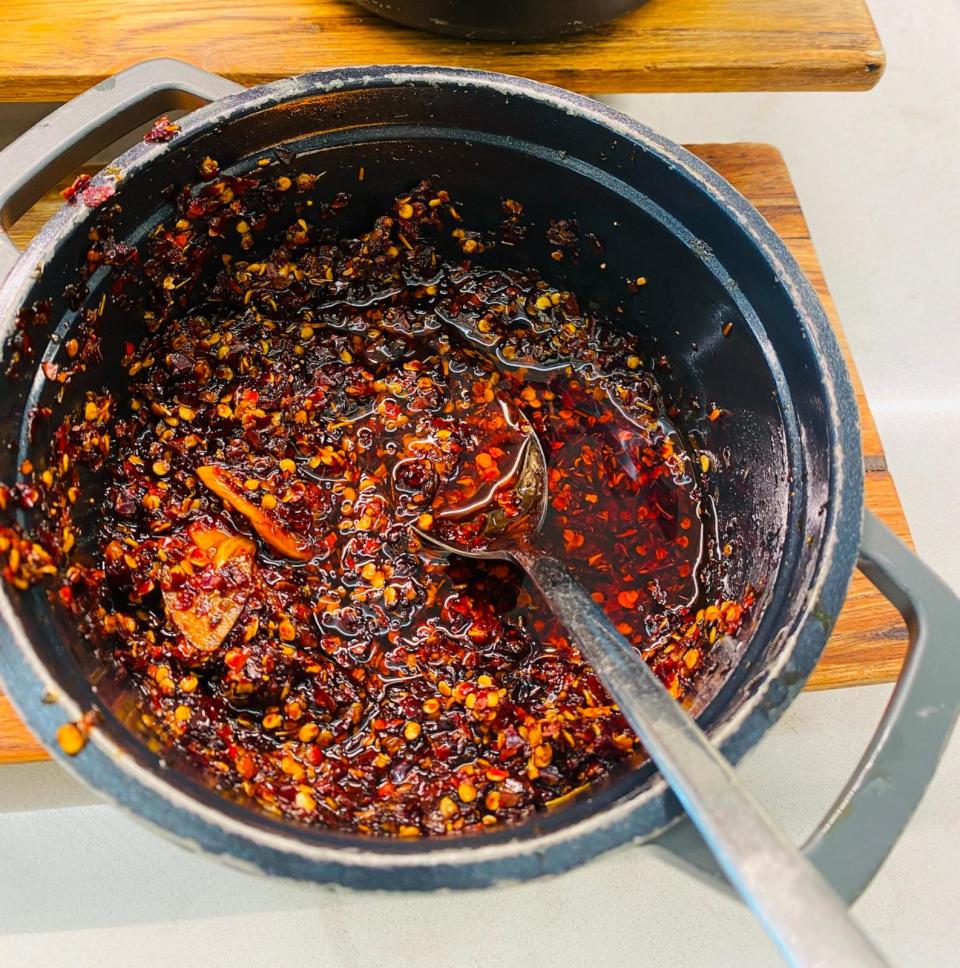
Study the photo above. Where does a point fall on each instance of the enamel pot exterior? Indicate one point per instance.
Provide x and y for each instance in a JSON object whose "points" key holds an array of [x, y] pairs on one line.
{"points": [[790, 484]]}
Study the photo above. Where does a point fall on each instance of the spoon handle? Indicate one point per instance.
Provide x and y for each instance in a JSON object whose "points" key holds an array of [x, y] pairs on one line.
{"points": [[797, 908]]}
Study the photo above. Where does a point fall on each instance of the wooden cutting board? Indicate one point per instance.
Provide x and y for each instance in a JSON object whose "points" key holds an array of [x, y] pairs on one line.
{"points": [[53, 50], [869, 640]]}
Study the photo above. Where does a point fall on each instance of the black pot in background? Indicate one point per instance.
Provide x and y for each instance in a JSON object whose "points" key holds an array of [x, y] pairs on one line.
{"points": [[501, 19]]}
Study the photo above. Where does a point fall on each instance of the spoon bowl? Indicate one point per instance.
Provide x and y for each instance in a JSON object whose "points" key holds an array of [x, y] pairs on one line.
{"points": [[501, 534]]}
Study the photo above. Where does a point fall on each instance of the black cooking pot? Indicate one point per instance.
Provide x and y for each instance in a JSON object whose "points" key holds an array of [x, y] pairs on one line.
{"points": [[790, 482], [501, 19]]}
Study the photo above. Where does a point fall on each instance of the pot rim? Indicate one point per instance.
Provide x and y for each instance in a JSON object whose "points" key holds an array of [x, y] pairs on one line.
{"points": [[468, 862]]}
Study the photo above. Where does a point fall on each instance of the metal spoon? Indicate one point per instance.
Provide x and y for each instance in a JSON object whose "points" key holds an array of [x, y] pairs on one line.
{"points": [[794, 904]]}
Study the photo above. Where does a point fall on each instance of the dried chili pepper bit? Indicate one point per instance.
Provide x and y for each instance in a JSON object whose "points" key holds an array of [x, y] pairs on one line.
{"points": [[163, 130]]}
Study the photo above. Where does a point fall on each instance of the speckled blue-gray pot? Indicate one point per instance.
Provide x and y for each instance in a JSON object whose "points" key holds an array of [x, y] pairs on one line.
{"points": [[791, 486]]}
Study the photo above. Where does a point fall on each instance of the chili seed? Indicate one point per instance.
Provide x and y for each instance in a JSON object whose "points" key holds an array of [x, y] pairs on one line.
{"points": [[70, 739]]}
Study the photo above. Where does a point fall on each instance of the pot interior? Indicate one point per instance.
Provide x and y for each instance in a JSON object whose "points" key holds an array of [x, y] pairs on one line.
{"points": [[705, 277]]}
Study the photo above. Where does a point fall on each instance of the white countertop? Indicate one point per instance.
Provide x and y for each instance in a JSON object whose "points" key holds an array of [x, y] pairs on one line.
{"points": [[82, 885]]}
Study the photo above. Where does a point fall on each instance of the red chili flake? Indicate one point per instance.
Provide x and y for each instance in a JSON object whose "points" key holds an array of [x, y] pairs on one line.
{"points": [[163, 130], [236, 659], [96, 195], [78, 185]]}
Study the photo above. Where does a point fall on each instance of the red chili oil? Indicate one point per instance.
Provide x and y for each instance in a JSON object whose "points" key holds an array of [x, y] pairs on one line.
{"points": [[259, 581]]}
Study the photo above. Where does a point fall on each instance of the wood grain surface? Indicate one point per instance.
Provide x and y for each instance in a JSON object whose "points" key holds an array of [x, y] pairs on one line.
{"points": [[869, 640], [53, 50]]}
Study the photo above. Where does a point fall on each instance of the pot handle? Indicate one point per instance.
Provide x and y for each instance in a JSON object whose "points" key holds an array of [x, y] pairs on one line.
{"points": [[68, 137], [851, 843]]}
